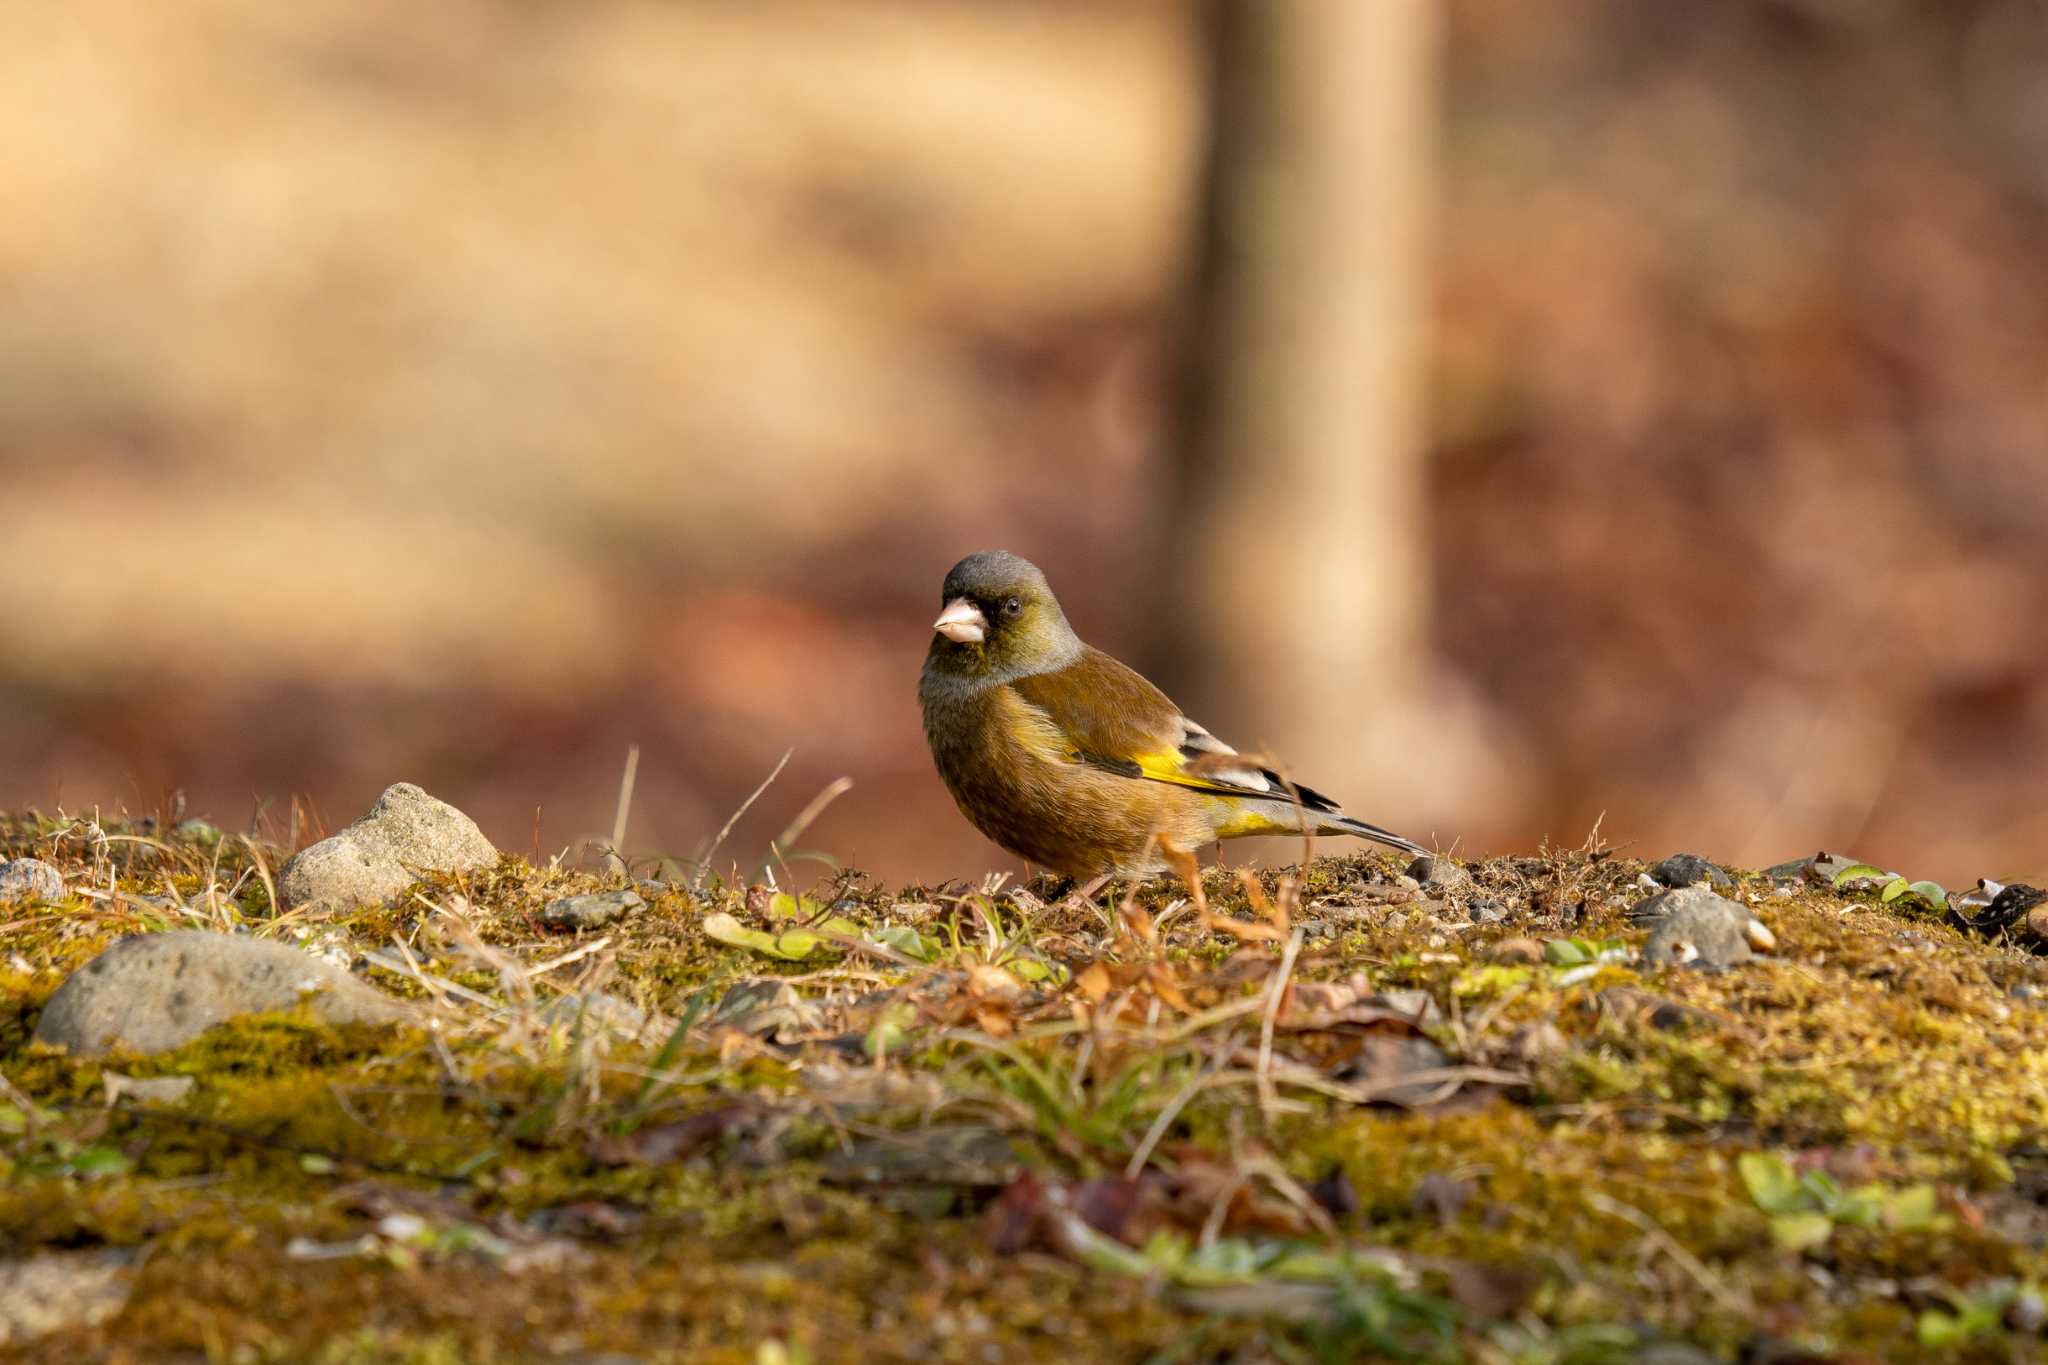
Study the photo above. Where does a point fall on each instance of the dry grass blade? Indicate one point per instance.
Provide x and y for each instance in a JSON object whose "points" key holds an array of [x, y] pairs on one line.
{"points": [[1670, 1246], [794, 831], [263, 873], [1276, 989], [704, 867], [614, 859]]}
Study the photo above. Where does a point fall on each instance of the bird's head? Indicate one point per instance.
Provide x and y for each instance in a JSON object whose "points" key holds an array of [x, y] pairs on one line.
{"points": [[999, 617]]}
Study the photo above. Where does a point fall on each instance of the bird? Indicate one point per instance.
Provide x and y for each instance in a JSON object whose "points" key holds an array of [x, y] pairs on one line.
{"points": [[1075, 762]]}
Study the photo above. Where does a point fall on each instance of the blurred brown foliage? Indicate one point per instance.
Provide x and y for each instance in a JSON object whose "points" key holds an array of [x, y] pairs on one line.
{"points": [[462, 393]]}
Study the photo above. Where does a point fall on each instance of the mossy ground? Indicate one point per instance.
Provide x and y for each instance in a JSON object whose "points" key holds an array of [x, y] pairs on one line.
{"points": [[491, 1186]]}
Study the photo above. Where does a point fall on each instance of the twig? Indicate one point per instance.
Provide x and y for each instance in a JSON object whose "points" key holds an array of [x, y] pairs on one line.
{"points": [[697, 883]]}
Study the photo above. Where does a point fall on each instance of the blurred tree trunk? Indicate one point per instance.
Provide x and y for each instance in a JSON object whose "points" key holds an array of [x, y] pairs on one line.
{"points": [[1297, 556]]}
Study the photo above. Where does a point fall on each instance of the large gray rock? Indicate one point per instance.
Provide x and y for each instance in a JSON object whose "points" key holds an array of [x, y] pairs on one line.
{"points": [[1693, 927], [406, 833], [30, 879], [154, 992], [60, 1290]]}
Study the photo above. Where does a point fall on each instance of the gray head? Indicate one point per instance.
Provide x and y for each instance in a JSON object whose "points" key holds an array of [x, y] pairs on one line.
{"points": [[1000, 619]]}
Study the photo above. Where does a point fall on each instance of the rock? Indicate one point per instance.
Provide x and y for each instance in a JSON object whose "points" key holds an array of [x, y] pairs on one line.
{"points": [[1760, 936], [153, 992], [168, 1090], [30, 879], [592, 911], [1694, 927], [407, 832], [1486, 910], [601, 1009], [1637, 1008], [61, 1290], [1516, 952], [1534, 1044], [1689, 869], [1438, 873], [196, 832], [1384, 1060]]}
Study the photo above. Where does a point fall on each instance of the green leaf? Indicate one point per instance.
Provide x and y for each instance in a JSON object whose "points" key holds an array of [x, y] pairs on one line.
{"points": [[1799, 1231], [1772, 1183], [1862, 872], [1898, 887], [906, 941], [1565, 952], [888, 1032], [1938, 1330], [791, 946], [782, 906], [1932, 893], [1911, 1207], [1028, 969], [96, 1161]]}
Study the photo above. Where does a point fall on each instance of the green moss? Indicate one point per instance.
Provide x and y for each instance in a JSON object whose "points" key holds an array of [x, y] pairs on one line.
{"points": [[1610, 1175]]}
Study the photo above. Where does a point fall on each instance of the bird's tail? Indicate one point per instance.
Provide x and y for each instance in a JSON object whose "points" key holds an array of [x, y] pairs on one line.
{"points": [[1344, 824]]}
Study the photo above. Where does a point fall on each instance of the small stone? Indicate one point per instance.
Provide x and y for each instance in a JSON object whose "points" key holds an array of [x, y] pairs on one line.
{"points": [[1694, 927], [592, 911], [2037, 923], [1407, 883], [29, 879], [169, 1090], [2029, 993], [601, 1009], [1760, 936], [154, 992], [1534, 1044], [1486, 910], [406, 833], [2027, 1313], [197, 832], [59, 1291], [1438, 873], [1518, 952], [1689, 869]]}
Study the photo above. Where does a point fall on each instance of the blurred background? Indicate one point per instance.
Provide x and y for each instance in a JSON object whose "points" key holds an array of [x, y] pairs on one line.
{"points": [[1508, 412]]}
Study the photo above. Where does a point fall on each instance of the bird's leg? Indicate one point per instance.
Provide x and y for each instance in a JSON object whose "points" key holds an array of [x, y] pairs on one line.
{"points": [[1188, 870]]}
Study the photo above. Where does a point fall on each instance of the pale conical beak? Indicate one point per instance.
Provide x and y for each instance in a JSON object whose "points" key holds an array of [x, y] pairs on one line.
{"points": [[962, 622]]}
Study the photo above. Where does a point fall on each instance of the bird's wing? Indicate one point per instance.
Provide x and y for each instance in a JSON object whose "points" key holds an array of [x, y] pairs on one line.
{"points": [[1113, 718]]}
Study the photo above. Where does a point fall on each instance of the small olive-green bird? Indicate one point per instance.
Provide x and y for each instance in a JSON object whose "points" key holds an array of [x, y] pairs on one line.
{"points": [[1072, 760]]}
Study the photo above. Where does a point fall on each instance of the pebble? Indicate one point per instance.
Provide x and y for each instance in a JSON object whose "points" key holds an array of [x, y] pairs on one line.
{"points": [[1689, 869], [154, 992], [405, 833], [601, 1009], [1694, 927], [1438, 873], [1535, 1043], [61, 1290], [29, 879], [1486, 910], [591, 911], [166, 1090], [1516, 952]]}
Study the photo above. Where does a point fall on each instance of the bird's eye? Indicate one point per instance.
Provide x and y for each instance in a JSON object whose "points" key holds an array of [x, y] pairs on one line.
{"points": [[1012, 607]]}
